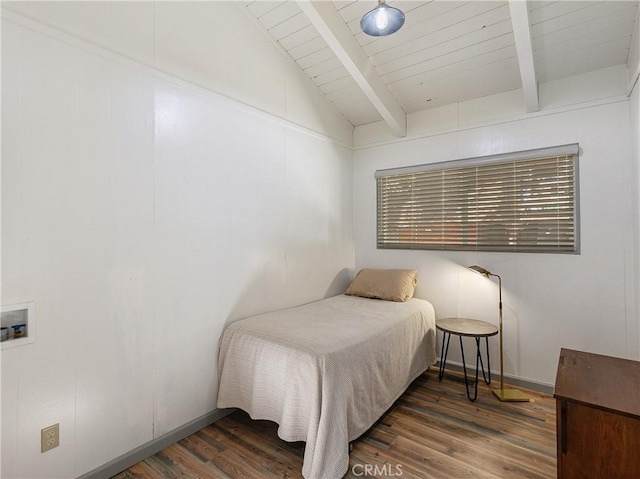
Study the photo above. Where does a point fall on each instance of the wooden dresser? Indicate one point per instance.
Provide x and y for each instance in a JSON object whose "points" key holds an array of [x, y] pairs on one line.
{"points": [[598, 416]]}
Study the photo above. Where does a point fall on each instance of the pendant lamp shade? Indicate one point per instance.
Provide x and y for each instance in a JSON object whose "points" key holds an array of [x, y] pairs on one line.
{"points": [[382, 20]]}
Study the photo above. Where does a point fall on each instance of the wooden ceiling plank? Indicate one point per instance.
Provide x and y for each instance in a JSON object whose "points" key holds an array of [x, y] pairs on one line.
{"points": [[457, 87], [355, 10], [344, 82], [260, 9], [314, 45], [556, 9], [298, 37], [316, 57], [443, 48], [615, 49], [469, 64], [443, 35], [581, 16], [619, 24], [596, 44], [281, 14], [522, 35], [334, 31], [340, 4], [450, 58], [537, 4], [331, 76], [289, 26], [550, 72], [324, 67]]}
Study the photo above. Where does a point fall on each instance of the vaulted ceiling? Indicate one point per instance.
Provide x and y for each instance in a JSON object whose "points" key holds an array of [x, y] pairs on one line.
{"points": [[447, 51]]}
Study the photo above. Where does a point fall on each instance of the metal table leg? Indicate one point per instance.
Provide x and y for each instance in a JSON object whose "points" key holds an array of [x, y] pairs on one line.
{"points": [[443, 358], [488, 381], [478, 362], [446, 338], [464, 367]]}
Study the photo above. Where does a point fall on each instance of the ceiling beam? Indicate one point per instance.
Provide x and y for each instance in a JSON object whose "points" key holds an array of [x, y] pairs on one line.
{"points": [[326, 19], [522, 35]]}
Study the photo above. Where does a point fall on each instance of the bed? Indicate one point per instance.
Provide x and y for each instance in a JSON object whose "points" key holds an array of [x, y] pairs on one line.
{"points": [[326, 371]]}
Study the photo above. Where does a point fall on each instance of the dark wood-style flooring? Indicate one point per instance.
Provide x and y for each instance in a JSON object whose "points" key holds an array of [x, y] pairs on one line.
{"points": [[432, 431]]}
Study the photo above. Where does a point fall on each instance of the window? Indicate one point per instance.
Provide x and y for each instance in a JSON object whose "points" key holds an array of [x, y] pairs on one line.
{"points": [[524, 201]]}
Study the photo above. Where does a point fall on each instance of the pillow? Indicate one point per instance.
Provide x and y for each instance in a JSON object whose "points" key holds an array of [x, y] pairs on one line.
{"points": [[389, 284]]}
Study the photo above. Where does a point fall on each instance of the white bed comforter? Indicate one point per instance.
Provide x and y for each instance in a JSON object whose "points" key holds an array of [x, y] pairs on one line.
{"points": [[326, 371]]}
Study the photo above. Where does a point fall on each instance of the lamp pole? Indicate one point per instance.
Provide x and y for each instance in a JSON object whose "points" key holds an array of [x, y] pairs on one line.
{"points": [[503, 394], [500, 326]]}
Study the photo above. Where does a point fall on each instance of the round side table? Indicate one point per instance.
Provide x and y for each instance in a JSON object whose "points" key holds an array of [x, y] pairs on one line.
{"points": [[471, 328]]}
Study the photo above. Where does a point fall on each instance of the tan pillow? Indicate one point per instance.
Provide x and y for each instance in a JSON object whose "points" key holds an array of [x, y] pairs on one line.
{"points": [[389, 284]]}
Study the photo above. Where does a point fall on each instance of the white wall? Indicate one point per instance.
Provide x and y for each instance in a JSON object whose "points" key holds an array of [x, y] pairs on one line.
{"points": [[216, 45], [551, 301], [142, 214]]}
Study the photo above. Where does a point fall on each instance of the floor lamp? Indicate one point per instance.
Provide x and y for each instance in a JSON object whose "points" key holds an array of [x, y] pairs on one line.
{"points": [[502, 393]]}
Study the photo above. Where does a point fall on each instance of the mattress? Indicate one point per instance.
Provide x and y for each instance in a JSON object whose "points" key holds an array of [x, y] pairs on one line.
{"points": [[325, 371]]}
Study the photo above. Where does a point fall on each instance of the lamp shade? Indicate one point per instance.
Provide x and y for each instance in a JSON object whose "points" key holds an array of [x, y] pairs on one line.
{"points": [[481, 270], [382, 20]]}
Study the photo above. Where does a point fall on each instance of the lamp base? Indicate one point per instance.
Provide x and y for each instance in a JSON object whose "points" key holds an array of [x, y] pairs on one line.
{"points": [[510, 395]]}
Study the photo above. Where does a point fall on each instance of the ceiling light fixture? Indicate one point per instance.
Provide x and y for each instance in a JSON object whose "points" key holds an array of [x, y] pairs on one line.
{"points": [[382, 20]]}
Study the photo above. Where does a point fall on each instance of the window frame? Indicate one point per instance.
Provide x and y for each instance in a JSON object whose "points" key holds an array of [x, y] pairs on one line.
{"points": [[570, 150]]}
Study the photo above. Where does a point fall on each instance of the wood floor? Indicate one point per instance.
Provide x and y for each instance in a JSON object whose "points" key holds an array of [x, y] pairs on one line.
{"points": [[432, 431]]}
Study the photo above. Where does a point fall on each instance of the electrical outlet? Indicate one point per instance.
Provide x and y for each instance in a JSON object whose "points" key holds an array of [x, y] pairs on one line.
{"points": [[50, 437]]}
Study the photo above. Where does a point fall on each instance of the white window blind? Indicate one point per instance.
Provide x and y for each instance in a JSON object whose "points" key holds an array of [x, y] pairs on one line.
{"points": [[523, 201]]}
